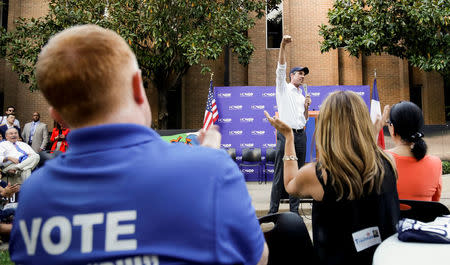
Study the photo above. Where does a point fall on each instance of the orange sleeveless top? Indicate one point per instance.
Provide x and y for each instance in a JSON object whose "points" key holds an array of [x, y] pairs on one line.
{"points": [[418, 180]]}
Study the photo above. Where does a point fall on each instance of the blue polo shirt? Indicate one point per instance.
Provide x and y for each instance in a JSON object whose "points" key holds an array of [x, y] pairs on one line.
{"points": [[122, 195]]}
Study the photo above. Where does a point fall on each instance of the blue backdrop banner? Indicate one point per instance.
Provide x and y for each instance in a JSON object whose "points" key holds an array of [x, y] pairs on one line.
{"points": [[243, 124]]}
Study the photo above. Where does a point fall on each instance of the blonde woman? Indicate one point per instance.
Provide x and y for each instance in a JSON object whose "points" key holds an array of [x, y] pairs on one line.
{"points": [[353, 182]]}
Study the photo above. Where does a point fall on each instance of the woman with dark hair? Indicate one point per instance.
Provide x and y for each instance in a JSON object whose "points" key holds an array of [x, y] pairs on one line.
{"points": [[353, 182], [58, 138], [419, 175]]}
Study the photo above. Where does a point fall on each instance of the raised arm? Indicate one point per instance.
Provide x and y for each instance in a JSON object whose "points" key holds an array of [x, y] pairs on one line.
{"points": [[380, 122], [297, 182], [282, 54]]}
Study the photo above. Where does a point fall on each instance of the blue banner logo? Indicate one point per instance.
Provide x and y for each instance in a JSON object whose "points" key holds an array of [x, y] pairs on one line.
{"points": [[258, 107], [246, 120], [258, 132], [235, 107], [224, 95], [246, 94], [225, 120], [235, 132]]}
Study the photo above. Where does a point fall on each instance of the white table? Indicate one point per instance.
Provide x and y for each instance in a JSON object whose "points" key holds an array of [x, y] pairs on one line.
{"points": [[395, 252]]}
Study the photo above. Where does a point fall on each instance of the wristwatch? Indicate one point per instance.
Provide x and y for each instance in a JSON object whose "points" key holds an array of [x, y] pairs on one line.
{"points": [[291, 157]]}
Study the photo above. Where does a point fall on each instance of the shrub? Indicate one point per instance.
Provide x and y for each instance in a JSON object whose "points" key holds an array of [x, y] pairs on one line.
{"points": [[445, 167]]}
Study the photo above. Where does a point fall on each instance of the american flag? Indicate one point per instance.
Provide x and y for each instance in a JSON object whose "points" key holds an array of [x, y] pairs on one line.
{"points": [[211, 113]]}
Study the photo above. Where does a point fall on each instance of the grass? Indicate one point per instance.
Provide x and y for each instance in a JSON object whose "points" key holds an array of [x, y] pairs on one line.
{"points": [[4, 258]]}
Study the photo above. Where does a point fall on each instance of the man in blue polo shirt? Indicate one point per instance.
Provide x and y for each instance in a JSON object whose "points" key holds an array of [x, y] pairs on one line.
{"points": [[121, 195]]}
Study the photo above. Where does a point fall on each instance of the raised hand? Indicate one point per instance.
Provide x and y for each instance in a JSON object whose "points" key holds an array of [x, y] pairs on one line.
{"points": [[282, 127], [286, 39], [210, 137]]}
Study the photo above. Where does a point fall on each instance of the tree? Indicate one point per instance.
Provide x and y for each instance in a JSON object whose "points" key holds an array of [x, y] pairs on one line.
{"points": [[417, 30], [167, 36]]}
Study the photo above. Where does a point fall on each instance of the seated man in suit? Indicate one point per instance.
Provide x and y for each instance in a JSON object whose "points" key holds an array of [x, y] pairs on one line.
{"points": [[10, 120], [35, 133], [18, 157]]}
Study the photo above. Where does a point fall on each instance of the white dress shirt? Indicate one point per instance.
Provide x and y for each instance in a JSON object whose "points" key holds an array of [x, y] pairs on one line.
{"points": [[7, 149], [290, 100]]}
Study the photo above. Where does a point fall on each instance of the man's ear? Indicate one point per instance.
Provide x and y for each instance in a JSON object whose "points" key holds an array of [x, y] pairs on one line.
{"points": [[138, 89], [57, 117]]}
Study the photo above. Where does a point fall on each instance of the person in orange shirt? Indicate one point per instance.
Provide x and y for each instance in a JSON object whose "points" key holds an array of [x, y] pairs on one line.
{"points": [[58, 138], [419, 175]]}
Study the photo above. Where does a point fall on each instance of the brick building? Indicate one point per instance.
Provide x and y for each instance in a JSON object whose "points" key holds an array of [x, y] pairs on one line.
{"points": [[300, 19]]}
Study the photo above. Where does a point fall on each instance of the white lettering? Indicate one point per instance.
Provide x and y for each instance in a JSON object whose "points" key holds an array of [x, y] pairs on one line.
{"points": [[113, 230], [235, 132], [224, 95], [87, 221], [258, 132], [257, 107], [247, 94], [268, 94], [225, 120], [246, 119], [235, 107], [65, 235], [136, 260], [30, 241]]}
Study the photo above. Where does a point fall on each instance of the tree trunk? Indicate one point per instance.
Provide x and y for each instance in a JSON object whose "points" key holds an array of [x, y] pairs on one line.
{"points": [[162, 113]]}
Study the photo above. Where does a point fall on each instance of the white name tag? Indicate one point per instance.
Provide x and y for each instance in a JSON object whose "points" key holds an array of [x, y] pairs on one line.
{"points": [[366, 238]]}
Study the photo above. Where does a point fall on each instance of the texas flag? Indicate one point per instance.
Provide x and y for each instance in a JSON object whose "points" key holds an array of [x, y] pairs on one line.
{"points": [[375, 110]]}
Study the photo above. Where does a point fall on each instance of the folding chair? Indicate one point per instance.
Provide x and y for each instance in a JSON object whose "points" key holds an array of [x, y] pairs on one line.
{"points": [[289, 241], [232, 153], [251, 157], [270, 161], [424, 211]]}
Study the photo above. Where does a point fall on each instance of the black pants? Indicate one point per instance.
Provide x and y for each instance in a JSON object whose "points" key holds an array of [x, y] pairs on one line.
{"points": [[278, 180]]}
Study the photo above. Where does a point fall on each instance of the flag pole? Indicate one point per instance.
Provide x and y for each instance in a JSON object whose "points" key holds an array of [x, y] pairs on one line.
{"points": [[210, 81], [375, 73]]}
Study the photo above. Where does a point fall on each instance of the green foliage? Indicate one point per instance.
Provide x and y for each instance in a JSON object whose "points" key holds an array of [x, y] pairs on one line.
{"points": [[418, 30], [445, 167], [4, 258], [167, 36]]}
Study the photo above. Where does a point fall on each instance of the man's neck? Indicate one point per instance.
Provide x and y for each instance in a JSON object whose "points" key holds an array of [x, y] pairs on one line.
{"points": [[298, 87]]}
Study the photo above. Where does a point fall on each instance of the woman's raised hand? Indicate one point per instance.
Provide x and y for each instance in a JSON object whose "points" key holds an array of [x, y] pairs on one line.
{"points": [[282, 127]]}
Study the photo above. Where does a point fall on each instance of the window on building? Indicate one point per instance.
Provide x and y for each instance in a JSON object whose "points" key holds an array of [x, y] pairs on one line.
{"points": [[274, 21], [4, 14]]}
